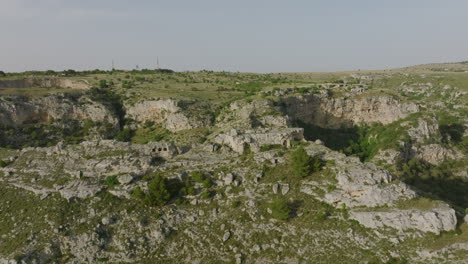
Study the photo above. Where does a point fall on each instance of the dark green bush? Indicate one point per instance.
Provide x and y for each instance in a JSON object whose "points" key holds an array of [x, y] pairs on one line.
{"points": [[111, 180], [235, 204], [188, 188], [103, 84], [158, 192], [197, 176], [280, 209], [124, 135], [301, 162], [3, 164], [138, 193]]}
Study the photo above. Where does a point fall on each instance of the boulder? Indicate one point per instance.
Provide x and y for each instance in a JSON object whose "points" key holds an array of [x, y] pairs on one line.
{"points": [[125, 179]]}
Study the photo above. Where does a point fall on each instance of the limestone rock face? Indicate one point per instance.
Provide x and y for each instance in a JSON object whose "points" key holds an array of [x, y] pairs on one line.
{"points": [[435, 220], [255, 138], [360, 184], [17, 111], [79, 189], [169, 113], [435, 153], [45, 83], [247, 115], [328, 112], [425, 130], [152, 110]]}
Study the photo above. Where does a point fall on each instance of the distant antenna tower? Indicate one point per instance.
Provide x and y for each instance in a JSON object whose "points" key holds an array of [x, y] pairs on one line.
{"points": [[157, 63], [113, 68]]}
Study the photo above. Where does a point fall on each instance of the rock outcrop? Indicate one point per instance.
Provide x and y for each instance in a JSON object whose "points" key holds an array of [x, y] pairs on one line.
{"points": [[169, 113], [45, 83], [436, 153], [328, 112], [17, 111], [255, 138], [248, 115], [435, 220]]}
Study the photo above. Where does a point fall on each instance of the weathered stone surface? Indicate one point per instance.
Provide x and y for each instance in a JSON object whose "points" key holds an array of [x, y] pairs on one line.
{"points": [[228, 179], [337, 112], [247, 115], [275, 188], [363, 185], [45, 83], [435, 220], [435, 153], [125, 179], [239, 140], [17, 111], [226, 236], [167, 112], [79, 189]]}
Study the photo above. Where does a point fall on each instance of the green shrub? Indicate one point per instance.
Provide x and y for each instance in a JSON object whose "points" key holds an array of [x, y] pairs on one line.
{"points": [[111, 180], [280, 209], [268, 147], [235, 204], [3, 164], [207, 183], [103, 84], [124, 135], [197, 176], [158, 192], [316, 164], [301, 162], [207, 194], [188, 188], [138, 193]]}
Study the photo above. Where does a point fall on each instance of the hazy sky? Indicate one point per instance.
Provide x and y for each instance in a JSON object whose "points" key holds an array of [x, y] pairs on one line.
{"points": [[232, 35]]}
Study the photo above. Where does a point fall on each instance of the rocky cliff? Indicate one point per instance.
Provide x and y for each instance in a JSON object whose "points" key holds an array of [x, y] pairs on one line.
{"points": [[329, 112]]}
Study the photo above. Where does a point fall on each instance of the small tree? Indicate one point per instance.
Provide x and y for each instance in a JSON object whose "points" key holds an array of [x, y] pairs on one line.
{"points": [[158, 192], [280, 209], [103, 84], [124, 135], [301, 162], [2, 74], [138, 193], [316, 164]]}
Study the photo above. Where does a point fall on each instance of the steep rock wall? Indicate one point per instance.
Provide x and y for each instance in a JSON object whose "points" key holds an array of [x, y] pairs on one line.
{"points": [[169, 113], [17, 111], [329, 112]]}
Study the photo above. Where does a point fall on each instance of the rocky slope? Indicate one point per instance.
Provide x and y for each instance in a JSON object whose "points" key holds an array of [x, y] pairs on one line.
{"points": [[392, 190]]}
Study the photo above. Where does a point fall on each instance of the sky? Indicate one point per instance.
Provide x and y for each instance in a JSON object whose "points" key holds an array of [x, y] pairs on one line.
{"points": [[231, 35]]}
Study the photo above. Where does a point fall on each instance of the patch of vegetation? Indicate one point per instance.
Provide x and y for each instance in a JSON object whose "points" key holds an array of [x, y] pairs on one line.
{"points": [[436, 181], [124, 135], [280, 209], [268, 147], [303, 165], [300, 162], [150, 133], [49, 134], [111, 181], [421, 203], [158, 192]]}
